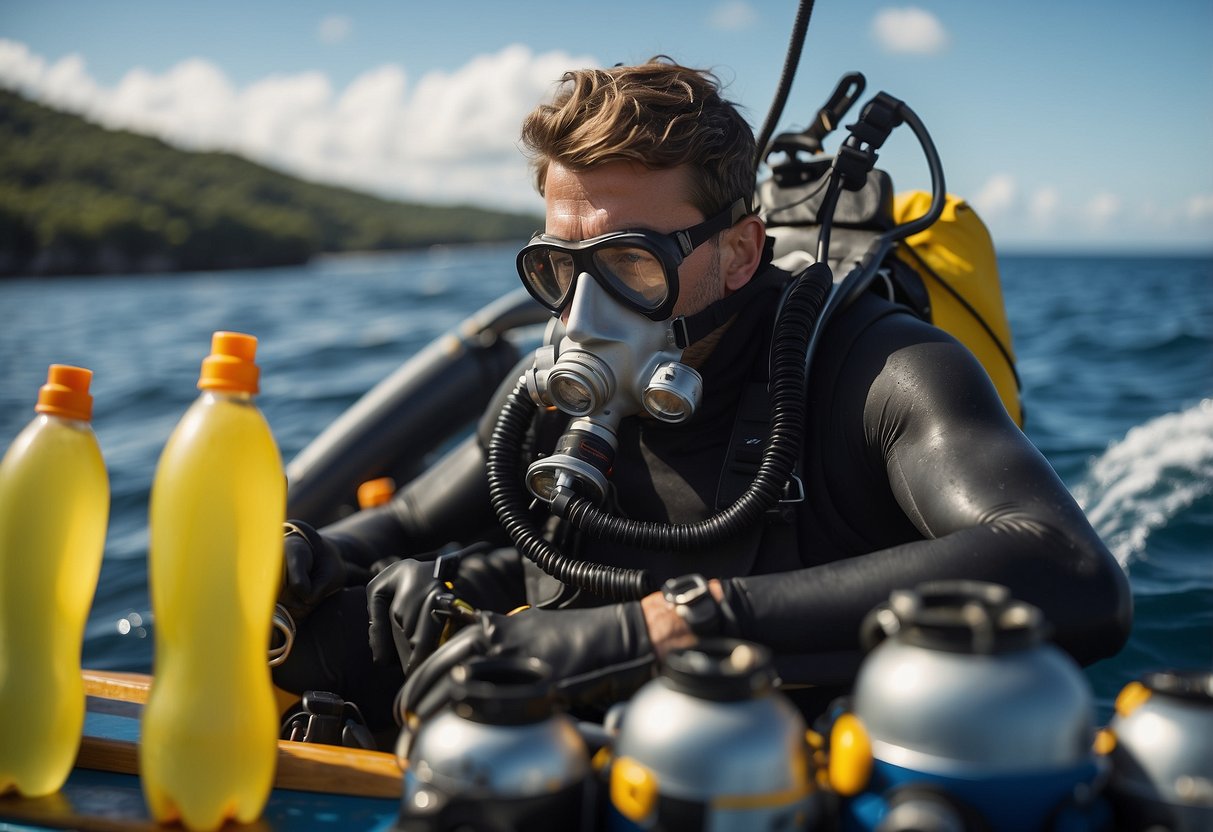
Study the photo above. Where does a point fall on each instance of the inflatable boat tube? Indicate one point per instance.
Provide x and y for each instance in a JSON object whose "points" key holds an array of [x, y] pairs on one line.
{"points": [[432, 397]]}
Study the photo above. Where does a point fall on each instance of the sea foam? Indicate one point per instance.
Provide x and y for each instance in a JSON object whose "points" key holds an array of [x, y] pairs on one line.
{"points": [[1142, 481]]}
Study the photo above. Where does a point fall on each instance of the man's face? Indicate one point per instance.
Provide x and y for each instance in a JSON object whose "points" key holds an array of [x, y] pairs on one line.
{"points": [[626, 195]]}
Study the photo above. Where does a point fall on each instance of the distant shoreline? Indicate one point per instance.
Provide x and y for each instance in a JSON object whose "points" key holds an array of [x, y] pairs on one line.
{"points": [[77, 199], [388, 254], [157, 267]]}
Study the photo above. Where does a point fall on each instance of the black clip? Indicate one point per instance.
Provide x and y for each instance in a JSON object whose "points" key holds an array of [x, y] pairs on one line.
{"points": [[323, 720], [849, 88], [857, 156]]}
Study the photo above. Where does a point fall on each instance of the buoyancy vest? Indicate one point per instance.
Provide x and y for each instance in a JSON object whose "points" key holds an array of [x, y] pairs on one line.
{"points": [[947, 274], [683, 473], [808, 527]]}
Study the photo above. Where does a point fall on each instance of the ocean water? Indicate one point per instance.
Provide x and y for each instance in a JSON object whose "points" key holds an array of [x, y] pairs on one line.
{"points": [[1115, 354]]}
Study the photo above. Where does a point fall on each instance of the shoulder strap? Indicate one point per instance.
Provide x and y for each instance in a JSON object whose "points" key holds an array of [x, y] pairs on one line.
{"points": [[751, 429], [752, 423]]}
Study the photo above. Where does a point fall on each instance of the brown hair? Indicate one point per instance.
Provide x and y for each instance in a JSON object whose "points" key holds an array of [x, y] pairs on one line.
{"points": [[659, 114]]}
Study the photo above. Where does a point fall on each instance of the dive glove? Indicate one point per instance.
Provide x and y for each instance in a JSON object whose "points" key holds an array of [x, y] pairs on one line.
{"points": [[314, 569], [597, 656], [415, 604], [411, 604]]}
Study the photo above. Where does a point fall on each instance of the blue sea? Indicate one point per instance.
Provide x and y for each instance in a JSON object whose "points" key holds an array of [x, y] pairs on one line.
{"points": [[1115, 354]]}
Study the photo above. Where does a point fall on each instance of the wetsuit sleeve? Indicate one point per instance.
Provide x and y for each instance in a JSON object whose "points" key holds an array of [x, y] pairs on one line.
{"points": [[447, 502], [935, 446]]}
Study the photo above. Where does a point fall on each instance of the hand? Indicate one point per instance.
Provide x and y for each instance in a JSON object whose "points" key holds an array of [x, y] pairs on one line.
{"points": [[667, 629], [597, 656], [314, 569], [402, 600]]}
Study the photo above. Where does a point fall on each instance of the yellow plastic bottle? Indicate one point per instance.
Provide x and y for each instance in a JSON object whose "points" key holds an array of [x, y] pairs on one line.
{"points": [[210, 727], [54, 509]]}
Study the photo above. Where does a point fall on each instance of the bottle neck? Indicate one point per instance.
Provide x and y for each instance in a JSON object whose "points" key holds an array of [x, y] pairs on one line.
{"points": [[239, 396], [66, 421]]}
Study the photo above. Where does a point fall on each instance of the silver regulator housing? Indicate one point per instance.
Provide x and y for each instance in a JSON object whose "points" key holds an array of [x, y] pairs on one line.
{"points": [[606, 363]]}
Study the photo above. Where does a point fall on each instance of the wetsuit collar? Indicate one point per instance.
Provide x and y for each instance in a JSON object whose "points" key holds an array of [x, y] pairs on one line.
{"points": [[691, 328]]}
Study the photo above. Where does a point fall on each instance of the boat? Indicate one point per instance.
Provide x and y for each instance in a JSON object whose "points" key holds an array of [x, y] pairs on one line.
{"points": [[316, 786], [397, 429]]}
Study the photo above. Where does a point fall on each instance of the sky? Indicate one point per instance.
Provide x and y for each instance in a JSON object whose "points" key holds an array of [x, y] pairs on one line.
{"points": [[1071, 125]]}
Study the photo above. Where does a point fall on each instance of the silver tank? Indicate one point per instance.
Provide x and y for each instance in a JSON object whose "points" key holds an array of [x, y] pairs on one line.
{"points": [[1162, 764], [710, 744], [502, 758], [963, 683]]}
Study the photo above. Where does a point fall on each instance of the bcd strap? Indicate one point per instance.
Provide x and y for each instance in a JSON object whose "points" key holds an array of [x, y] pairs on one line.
{"points": [[751, 429]]}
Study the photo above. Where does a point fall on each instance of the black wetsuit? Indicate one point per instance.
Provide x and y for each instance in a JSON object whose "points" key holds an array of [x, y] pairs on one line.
{"points": [[912, 470]]}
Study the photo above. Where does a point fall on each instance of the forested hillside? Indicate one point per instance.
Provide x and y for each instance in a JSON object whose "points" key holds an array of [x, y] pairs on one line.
{"points": [[76, 198]]}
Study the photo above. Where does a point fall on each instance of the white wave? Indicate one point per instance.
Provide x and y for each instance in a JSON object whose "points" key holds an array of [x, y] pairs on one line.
{"points": [[1141, 482]]}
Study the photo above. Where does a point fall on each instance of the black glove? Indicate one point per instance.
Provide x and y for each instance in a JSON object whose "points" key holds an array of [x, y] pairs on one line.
{"points": [[411, 605], [598, 656], [314, 569]]}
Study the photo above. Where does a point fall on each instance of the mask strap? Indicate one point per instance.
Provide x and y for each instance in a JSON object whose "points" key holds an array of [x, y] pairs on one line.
{"points": [[689, 329]]}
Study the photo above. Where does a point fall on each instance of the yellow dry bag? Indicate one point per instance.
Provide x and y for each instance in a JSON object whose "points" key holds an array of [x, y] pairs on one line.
{"points": [[955, 259]]}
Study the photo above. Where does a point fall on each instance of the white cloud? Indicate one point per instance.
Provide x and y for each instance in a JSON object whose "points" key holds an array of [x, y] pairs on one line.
{"points": [[191, 104], [909, 30], [1043, 206], [733, 16], [442, 137], [19, 67], [1199, 209], [334, 29], [997, 196], [1101, 209]]}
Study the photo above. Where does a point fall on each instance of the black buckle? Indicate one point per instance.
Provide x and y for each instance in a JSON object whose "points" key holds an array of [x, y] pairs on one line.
{"points": [[682, 336], [795, 488], [857, 156], [793, 495], [328, 719]]}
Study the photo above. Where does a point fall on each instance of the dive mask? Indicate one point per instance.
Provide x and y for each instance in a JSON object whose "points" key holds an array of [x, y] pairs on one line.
{"points": [[639, 268]]}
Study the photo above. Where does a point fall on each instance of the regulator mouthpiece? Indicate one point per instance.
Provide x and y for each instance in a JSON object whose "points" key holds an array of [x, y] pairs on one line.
{"points": [[606, 362], [578, 466]]}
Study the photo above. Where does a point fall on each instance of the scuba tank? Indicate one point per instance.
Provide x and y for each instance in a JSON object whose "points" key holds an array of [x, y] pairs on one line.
{"points": [[964, 718], [501, 759], [1162, 759], [710, 744]]}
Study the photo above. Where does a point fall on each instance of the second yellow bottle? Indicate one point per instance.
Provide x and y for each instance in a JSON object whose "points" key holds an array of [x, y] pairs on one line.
{"points": [[210, 727]]}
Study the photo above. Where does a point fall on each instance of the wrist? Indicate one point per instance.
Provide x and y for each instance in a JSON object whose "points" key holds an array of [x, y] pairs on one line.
{"points": [[701, 604], [665, 630]]}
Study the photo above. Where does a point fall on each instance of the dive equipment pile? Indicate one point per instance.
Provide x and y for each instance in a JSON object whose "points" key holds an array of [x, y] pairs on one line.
{"points": [[963, 717]]}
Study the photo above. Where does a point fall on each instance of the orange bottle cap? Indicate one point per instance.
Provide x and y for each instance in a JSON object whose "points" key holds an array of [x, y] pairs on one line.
{"points": [[376, 492], [66, 393], [230, 365]]}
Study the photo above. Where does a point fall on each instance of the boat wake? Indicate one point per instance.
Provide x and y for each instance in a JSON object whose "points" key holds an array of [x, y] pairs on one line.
{"points": [[1139, 484]]}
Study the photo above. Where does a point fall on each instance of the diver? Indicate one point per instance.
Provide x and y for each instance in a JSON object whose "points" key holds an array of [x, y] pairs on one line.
{"points": [[659, 276]]}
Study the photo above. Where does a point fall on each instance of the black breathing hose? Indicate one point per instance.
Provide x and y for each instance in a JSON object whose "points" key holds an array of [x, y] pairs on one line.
{"points": [[511, 502], [791, 62], [789, 376]]}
